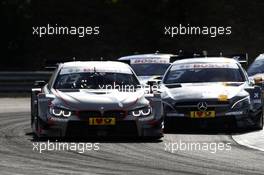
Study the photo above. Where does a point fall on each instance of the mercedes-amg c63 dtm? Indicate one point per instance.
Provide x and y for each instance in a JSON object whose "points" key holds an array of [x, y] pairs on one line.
{"points": [[212, 91]]}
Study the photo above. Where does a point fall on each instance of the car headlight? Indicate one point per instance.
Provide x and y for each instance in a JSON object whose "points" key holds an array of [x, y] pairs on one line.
{"points": [[142, 112], [241, 103], [60, 112]]}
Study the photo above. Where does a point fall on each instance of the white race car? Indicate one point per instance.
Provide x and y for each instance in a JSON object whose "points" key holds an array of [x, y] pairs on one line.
{"points": [[94, 98], [210, 91], [148, 67]]}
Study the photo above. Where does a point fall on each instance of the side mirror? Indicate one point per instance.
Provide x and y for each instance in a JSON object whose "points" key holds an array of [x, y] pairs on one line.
{"points": [[153, 85], [39, 83], [258, 80], [251, 82], [159, 78], [153, 82]]}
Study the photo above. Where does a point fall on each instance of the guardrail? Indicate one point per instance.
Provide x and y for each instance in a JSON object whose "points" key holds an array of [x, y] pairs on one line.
{"points": [[21, 81]]}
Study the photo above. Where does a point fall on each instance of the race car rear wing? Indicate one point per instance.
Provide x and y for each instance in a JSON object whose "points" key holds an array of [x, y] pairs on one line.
{"points": [[155, 58], [241, 58], [52, 64]]}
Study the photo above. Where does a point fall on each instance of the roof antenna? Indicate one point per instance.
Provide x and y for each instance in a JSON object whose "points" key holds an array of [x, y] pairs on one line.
{"points": [[180, 52], [205, 53]]}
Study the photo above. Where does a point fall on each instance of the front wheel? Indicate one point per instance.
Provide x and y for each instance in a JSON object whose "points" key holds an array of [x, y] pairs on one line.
{"points": [[259, 122]]}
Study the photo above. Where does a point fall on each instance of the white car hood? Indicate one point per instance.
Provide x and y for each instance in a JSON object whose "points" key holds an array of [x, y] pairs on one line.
{"points": [[203, 91], [94, 100]]}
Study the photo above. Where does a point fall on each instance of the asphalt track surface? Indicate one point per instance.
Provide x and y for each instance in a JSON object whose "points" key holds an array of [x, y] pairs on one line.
{"points": [[121, 156]]}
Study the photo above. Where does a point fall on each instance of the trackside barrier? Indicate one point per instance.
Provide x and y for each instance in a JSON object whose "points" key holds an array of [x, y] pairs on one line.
{"points": [[21, 81]]}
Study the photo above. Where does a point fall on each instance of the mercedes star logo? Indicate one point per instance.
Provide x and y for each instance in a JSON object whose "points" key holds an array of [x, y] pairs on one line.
{"points": [[202, 106]]}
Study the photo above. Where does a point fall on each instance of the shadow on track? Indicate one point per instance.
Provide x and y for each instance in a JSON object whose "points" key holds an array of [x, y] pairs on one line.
{"points": [[208, 131], [96, 139]]}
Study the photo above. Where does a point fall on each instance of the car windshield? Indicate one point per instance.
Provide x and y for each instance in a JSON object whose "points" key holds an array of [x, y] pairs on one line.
{"points": [[256, 67], [149, 69], [191, 73], [95, 80]]}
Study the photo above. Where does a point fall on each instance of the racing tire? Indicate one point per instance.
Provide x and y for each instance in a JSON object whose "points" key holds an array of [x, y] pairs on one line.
{"points": [[259, 122], [31, 111], [168, 127], [35, 127], [153, 138]]}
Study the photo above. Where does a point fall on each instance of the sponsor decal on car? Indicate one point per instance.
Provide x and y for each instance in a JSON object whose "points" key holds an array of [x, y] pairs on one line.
{"points": [[149, 61], [93, 70], [102, 121], [202, 114], [204, 66], [222, 98]]}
